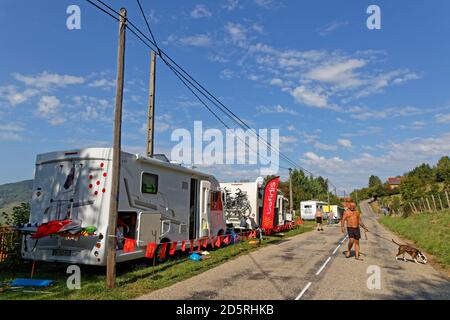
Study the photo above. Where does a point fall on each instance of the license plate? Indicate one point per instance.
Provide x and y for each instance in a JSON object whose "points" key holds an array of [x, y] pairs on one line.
{"points": [[62, 253]]}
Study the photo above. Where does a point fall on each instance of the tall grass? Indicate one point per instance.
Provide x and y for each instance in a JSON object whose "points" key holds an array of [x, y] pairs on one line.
{"points": [[429, 231]]}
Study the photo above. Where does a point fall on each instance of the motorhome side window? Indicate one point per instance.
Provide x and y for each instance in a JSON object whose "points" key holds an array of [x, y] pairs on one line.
{"points": [[149, 183]]}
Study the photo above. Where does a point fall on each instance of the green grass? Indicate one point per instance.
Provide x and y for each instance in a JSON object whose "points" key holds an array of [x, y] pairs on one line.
{"points": [[429, 231], [132, 282]]}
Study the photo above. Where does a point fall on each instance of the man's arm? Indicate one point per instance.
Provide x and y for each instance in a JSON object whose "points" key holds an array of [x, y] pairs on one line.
{"points": [[343, 222]]}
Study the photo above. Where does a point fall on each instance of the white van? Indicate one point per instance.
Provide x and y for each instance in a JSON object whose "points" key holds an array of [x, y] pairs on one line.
{"points": [[158, 202], [308, 209]]}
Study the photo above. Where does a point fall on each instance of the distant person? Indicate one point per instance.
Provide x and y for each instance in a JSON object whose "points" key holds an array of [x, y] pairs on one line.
{"points": [[319, 218], [353, 219], [330, 217]]}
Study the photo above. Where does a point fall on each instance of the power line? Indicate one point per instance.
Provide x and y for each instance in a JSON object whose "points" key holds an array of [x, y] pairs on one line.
{"points": [[182, 73]]}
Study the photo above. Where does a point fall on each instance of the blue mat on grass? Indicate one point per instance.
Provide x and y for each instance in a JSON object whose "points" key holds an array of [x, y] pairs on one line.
{"points": [[31, 283]]}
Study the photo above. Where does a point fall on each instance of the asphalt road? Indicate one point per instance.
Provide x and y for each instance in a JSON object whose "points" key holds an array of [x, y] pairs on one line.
{"points": [[313, 266]]}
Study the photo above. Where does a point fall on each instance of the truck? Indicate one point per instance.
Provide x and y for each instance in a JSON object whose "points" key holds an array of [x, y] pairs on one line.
{"points": [[158, 202]]}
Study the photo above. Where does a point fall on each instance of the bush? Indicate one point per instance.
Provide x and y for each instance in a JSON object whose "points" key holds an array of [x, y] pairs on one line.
{"points": [[10, 241]]}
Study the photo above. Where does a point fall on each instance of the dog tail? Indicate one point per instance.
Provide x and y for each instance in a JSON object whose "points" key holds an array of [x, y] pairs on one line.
{"points": [[395, 242]]}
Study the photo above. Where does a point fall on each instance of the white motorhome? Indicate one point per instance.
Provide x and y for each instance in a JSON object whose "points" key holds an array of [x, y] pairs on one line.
{"points": [[158, 202], [337, 211], [308, 209]]}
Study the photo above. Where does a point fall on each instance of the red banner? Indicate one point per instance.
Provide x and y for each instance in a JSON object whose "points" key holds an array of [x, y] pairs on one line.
{"points": [[183, 245], [162, 252], [270, 198], [151, 248], [129, 245], [173, 248]]}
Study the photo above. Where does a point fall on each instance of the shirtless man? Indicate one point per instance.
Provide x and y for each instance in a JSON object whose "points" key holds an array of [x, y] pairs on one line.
{"points": [[319, 218], [353, 219]]}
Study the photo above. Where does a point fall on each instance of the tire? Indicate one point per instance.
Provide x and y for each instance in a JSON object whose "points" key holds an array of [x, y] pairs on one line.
{"points": [[158, 250]]}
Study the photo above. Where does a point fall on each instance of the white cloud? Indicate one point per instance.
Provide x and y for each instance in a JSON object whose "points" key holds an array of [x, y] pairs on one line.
{"points": [[200, 11], [323, 146], [415, 125], [340, 74], [442, 118], [312, 98], [236, 31], [15, 97], [227, 74], [11, 132], [288, 139], [345, 143], [364, 114], [267, 4], [397, 158], [231, 5], [48, 108], [276, 109], [332, 26], [46, 80], [103, 83], [199, 40]]}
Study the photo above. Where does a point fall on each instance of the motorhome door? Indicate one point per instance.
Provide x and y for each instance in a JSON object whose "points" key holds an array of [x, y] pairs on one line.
{"points": [[205, 189], [193, 210]]}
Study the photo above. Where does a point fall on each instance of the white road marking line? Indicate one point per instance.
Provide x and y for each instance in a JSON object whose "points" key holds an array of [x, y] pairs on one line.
{"points": [[335, 250], [303, 291], [323, 266], [321, 269]]}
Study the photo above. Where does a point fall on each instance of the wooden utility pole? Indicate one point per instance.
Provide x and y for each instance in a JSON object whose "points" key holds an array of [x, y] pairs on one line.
{"points": [[151, 107], [291, 204], [115, 180]]}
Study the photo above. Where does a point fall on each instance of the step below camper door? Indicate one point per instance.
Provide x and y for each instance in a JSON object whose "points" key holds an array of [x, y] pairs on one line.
{"points": [[205, 189]]}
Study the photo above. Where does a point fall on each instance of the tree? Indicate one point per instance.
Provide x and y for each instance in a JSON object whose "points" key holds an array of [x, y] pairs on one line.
{"points": [[443, 170], [20, 214], [412, 188], [374, 181], [423, 172]]}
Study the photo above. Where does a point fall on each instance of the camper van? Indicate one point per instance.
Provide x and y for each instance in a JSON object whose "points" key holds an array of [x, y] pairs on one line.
{"points": [[308, 209], [337, 211], [158, 202]]}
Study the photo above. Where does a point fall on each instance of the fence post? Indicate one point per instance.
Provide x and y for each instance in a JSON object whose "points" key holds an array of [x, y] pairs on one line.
{"points": [[448, 201], [440, 201], [428, 203], [434, 203]]}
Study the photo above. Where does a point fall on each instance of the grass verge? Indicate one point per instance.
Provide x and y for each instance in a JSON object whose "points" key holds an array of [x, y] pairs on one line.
{"points": [[133, 279], [429, 231]]}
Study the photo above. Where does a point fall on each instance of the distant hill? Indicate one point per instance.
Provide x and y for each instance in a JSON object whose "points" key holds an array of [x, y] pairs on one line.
{"points": [[12, 194]]}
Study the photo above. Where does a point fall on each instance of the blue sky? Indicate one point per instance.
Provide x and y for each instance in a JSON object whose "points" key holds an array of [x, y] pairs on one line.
{"points": [[349, 101]]}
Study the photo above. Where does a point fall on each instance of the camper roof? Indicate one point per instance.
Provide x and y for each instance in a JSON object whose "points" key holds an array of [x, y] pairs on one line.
{"points": [[106, 154]]}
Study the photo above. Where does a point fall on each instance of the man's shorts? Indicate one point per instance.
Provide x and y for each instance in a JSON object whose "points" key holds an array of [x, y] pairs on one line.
{"points": [[354, 233], [319, 219]]}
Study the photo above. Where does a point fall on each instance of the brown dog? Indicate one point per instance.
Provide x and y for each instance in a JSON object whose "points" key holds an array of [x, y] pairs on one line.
{"points": [[413, 252]]}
